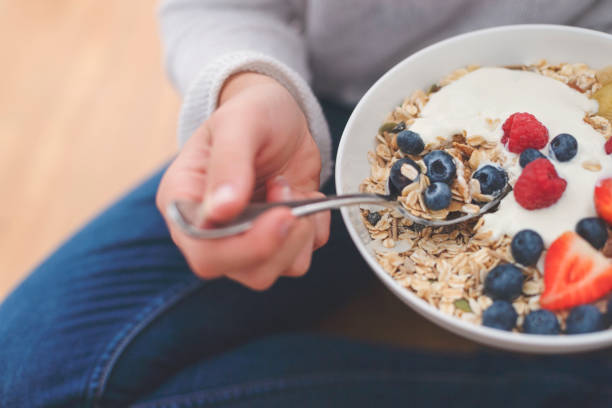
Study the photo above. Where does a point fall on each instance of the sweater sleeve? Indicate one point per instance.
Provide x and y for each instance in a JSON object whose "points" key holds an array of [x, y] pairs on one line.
{"points": [[206, 41]]}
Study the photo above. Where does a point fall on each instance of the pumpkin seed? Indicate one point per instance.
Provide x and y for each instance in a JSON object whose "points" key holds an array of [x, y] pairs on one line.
{"points": [[463, 304], [386, 127]]}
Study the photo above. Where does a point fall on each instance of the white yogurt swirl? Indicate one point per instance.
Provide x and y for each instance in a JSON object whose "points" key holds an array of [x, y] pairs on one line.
{"points": [[496, 93]]}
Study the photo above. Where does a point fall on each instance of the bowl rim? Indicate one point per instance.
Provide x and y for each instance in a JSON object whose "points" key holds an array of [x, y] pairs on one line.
{"points": [[493, 337]]}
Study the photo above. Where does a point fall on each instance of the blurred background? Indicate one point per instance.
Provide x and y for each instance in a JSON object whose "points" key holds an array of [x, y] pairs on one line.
{"points": [[85, 113]]}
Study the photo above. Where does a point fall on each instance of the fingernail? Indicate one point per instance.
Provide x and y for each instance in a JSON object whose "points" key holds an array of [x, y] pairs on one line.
{"points": [[281, 180], [222, 195], [285, 193], [285, 226]]}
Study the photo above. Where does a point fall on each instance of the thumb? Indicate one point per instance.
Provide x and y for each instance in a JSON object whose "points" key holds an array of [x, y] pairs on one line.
{"points": [[231, 169]]}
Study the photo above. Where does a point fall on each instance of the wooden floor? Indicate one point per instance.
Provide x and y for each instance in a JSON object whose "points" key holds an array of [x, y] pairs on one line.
{"points": [[86, 112]]}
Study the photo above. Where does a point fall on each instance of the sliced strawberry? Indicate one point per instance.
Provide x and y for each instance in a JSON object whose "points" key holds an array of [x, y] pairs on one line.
{"points": [[603, 199], [574, 273]]}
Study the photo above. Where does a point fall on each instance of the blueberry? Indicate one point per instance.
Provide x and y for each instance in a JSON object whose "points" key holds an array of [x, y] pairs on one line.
{"points": [[504, 282], [584, 319], [440, 166], [400, 174], [373, 217], [529, 155], [541, 322], [527, 246], [410, 142], [437, 196], [500, 315], [594, 230], [491, 178], [563, 147]]}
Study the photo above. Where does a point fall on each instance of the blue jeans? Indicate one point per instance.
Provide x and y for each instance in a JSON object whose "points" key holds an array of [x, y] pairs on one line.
{"points": [[115, 318]]}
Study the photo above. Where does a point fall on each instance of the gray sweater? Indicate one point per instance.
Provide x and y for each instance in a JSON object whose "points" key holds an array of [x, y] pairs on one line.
{"points": [[337, 48]]}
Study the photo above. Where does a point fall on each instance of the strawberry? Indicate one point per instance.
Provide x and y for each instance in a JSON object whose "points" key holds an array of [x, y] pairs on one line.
{"points": [[574, 273], [603, 199], [522, 131], [608, 146], [539, 185]]}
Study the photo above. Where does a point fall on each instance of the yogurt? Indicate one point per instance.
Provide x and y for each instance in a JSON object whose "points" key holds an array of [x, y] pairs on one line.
{"points": [[496, 93]]}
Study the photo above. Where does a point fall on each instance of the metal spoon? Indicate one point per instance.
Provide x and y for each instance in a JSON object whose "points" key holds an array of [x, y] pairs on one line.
{"points": [[185, 213]]}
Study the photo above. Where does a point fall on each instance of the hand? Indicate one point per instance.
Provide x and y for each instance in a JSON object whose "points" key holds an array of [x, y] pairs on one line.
{"points": [[256, 145]]}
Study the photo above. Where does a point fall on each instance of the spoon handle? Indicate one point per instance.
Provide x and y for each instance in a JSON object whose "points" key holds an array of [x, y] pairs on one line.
{"points": [[307, 207], [185, 213]]}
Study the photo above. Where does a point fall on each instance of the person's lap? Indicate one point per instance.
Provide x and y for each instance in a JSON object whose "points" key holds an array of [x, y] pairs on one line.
{"points": [[116, 309], [115, 316], [304, 370]]}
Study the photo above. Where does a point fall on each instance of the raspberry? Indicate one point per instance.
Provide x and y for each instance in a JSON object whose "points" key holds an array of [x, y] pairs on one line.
{"points": [[522, 131], [539, 185]]}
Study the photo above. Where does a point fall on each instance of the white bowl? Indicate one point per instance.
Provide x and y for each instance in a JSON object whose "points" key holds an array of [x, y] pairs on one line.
{"points": [[519, 44]]}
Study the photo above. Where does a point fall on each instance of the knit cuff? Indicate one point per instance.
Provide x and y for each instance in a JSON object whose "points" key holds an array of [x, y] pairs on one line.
{"points": [[201, 98]]}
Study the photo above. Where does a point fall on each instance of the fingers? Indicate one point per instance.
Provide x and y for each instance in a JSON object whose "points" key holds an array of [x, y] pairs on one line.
{"points": [[264, 275], [231, 169], [185, 178], [322, 221], [278, 190], [318, 226], [247, 251], [300, 263]]}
